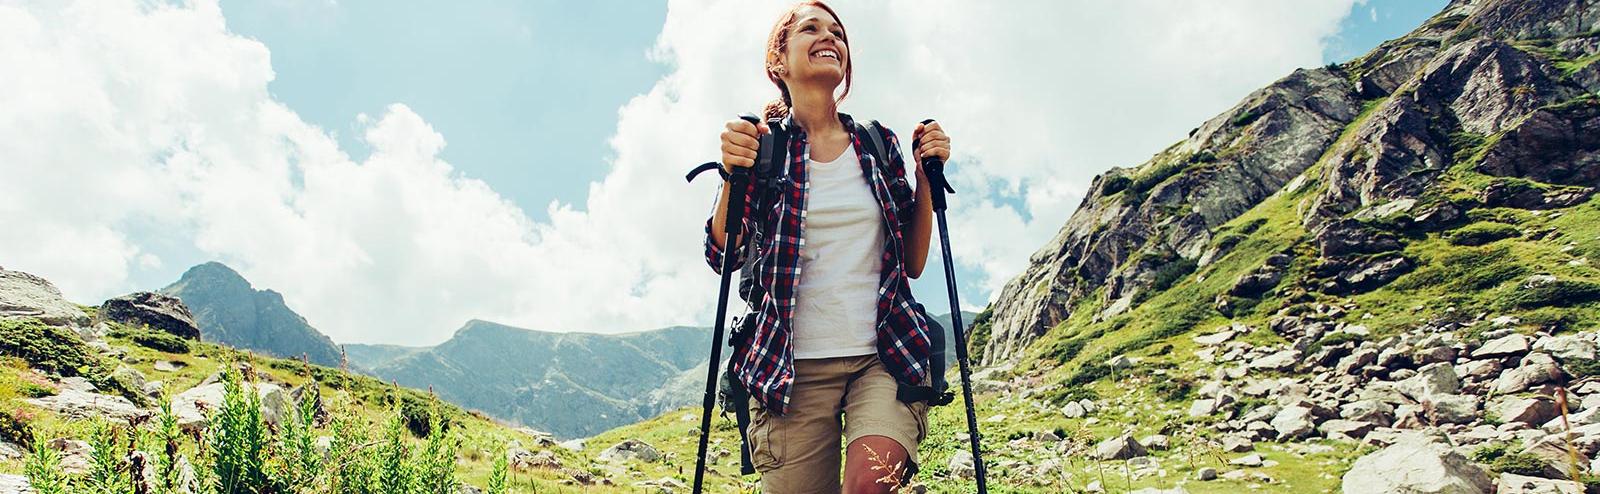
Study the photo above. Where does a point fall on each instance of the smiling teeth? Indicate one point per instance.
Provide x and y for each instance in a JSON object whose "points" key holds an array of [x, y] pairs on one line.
{"points": [[828, 53]]}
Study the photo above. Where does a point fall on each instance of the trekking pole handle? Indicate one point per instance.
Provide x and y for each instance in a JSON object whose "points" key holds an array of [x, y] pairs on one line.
{"points": [[933, 168]]}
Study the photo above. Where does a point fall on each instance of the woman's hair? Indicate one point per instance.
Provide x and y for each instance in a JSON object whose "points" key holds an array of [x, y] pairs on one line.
{"points": [[778, 43]]}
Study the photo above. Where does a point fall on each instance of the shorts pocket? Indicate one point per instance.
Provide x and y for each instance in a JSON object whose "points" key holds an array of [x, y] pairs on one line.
{"points": [[765, 443], [919, 414]]}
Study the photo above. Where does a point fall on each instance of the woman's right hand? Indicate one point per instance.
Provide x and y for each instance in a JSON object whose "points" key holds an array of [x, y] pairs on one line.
{"points": [[740, 143]]}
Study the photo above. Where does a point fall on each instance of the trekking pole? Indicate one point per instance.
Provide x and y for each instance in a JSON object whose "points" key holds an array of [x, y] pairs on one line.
{"points": [[738, 181], [934, 169]]}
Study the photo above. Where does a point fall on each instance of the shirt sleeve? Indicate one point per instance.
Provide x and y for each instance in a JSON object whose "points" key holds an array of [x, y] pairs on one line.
{"points": [[714, 253], [899, 187]]}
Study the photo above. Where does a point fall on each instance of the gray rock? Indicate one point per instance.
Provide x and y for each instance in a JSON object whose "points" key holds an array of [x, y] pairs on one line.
{"points": [[75, 455], [158, 311], [1073, 410], [1567, 347], [1216, 338], [1505, 346], [77, 399], [1119, 448], [26, 295], [631, 449], [1294, 422], [1206, 474], [961, 465], [1236, 444], [1417, 464], [1433, 379], [1511, 483], [1250, 460], [1453, 409], [11, 451], [1347, 430], [1372, 411], [1536, 368], [1357, 360], [1277, 361], [1532, 411], [572, 445], [1158, 442], [14, 484]]}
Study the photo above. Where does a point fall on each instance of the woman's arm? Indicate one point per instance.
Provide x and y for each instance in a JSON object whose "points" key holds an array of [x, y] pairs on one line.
{"points": [[930, 141]]}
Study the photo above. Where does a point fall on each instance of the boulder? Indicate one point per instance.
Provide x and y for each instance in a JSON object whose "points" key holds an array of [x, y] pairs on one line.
{"points": [[14, 484], [1533, 411], [1294, 422], [1347, 430], [1434, 379], [1453, 408], [158, 311], [26, 295], [1416, 464], [1536, 368], [1505, 346], [1277, 361], [1567, 347], [961, 465], [1119, 448], [1511, 483], [1372, 411], [631, 449], [78, 399]]}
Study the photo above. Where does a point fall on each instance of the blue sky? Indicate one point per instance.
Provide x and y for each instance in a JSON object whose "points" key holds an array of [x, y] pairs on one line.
{"points": [[396, 168], [527, 93]]}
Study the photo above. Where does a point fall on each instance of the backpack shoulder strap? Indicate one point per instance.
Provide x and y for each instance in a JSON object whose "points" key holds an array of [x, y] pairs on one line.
{"points": [[874, 132]]}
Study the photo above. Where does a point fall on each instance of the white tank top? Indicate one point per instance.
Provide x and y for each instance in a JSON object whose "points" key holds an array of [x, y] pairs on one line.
{"points": [[841, 256]]}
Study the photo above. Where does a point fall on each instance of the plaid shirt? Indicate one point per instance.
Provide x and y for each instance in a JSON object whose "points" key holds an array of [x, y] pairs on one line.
{"points": [[766, 366]]}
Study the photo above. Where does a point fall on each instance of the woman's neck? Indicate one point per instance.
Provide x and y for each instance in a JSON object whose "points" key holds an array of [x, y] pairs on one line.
{"points": [[815, 111]]}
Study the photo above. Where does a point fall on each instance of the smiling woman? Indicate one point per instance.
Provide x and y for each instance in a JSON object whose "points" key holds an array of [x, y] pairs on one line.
{"points": [[835, 336]]}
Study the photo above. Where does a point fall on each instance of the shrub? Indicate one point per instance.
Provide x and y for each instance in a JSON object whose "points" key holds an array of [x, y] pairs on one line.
{"points": [[1169, 273], [159, 341], [1490, 452], [1174, 389], [237, 438], [48, 348], [1559, 293], [1580, 368], [1115, 183], [43, 469], [1519, 464], [14, 429], [1481, 233]]}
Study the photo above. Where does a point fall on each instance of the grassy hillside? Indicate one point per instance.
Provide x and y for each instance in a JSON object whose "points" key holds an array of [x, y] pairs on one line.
{"points": [[359, 408]]}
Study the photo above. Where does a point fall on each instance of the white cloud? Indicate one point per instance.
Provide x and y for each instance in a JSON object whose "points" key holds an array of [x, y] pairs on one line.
{"points": [[130, 117]]}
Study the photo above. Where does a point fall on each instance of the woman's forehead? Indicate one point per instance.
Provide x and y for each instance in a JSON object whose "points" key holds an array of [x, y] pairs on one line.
{"points": [[812, 13]]}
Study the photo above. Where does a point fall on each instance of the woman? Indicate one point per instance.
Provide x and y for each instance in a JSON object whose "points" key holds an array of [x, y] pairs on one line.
{"points": [[834, 332]]}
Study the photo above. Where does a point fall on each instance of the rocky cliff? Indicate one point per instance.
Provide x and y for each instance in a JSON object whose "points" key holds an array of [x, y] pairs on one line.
{"points": [[1490, 103]]}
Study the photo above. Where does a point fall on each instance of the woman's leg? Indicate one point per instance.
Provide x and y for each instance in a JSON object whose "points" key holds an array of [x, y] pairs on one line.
{"points": [[882, 432], [874, 464]]}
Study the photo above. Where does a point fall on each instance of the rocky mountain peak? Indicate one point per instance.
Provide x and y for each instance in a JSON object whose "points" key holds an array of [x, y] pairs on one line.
{"points": [[1501, 87]]}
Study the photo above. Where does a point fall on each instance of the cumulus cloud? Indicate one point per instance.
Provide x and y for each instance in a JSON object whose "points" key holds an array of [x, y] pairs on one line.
{"points": [[126, 125]]}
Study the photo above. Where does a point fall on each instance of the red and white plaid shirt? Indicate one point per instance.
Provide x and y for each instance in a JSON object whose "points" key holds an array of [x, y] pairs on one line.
{"points": [[766, 367]]}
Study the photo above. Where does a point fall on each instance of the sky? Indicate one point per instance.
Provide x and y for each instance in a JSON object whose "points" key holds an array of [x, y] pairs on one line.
{"points": [[397, 168]]}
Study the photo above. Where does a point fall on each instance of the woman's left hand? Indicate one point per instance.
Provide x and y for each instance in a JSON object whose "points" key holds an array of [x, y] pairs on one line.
{"points": [[932, 143]]}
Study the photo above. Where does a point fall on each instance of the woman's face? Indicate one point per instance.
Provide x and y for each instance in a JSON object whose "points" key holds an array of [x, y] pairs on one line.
{"points": [[816, 54]]}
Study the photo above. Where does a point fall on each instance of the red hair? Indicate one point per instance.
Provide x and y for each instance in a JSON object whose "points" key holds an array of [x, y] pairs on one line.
{"points": [[778, 43]]}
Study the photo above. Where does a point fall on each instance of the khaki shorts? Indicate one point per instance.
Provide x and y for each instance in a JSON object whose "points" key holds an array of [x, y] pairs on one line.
{"points": [[801, 452]]}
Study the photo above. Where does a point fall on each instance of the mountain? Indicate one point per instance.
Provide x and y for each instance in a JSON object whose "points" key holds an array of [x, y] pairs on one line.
{"points": [[369, 356], [231, 312], [1493, 95], [570, 384]]}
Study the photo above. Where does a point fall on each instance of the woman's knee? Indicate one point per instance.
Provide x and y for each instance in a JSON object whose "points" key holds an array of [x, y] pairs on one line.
{"points": [[875, 464]]}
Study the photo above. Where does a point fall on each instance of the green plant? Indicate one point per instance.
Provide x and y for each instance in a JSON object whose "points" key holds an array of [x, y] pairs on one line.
{"points": [[393, 468], [1173, 390], [1580, 368], [159, 341], [351, 471], [107, 466], [435, 469], [1519, 464], [43, 469], [1490, 452], [1558, 293], [237, 436], [14, 429], [1481, 233], [497, 476], [299, 463]]}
